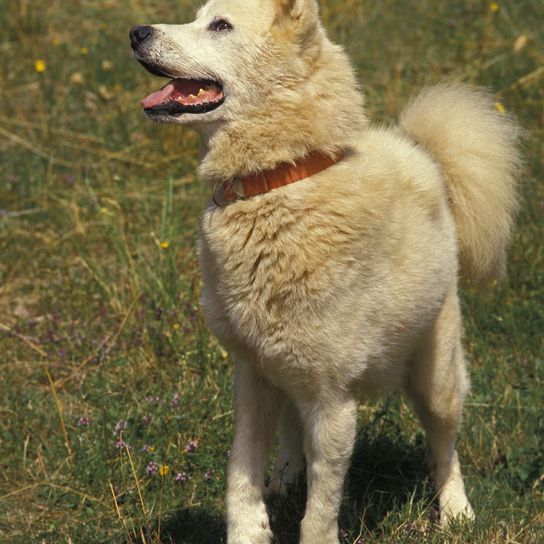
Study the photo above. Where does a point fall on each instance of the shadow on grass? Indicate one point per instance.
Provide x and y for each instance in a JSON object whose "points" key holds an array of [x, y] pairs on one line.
{"points": [[385, 473], [194, 526]]}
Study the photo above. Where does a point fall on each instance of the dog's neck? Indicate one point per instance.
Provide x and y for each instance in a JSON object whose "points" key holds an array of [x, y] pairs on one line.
{"points": [[284, 131]]}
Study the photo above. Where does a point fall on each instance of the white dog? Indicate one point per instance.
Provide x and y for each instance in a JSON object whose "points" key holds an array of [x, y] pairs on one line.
{"points": [[331, 252]]}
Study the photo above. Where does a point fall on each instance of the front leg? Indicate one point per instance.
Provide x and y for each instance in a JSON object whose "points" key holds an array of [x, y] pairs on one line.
{"points": [[255, 421], [329, 433]]}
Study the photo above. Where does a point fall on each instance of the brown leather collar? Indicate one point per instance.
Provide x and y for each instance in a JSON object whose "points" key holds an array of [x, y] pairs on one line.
{"points": [[266, 180]]}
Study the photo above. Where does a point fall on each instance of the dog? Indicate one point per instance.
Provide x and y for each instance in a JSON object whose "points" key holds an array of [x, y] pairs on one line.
{"points": [[331, 249]]}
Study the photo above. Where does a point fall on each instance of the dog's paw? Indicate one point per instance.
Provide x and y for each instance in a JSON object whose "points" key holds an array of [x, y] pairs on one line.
{"points": [[249, 526], [319, 535], [454, 505], [250, 532]]}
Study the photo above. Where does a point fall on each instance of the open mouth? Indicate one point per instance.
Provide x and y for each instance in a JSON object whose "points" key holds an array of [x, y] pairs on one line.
{"points": [[184, 96]]}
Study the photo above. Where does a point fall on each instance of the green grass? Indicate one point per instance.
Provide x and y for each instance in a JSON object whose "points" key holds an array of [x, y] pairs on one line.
{"points": [[100, 320]]}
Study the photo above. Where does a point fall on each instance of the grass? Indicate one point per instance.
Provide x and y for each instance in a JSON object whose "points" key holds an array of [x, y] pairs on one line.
{"points": [[106, 364]]}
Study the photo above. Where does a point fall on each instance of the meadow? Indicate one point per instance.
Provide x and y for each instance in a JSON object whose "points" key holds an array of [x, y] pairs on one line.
{"points": [[115, 401]]}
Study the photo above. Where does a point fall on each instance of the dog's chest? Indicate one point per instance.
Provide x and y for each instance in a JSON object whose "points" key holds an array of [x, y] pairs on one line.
{"points": [[269, 273]]}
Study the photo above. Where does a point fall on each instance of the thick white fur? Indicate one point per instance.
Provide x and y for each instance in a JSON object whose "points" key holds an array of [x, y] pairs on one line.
{"points": [[480, 168], [344, 283]]}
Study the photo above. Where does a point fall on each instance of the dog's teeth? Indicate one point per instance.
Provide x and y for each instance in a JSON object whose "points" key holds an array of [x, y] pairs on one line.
{"points": [[192, 96], [201, 92]]}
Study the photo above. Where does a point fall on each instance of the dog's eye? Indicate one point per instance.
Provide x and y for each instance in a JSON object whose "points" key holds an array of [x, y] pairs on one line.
{"points": [[220, 25]]}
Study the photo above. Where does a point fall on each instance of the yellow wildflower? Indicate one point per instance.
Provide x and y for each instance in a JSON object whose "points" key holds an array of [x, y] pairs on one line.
{"points": [[77, 78], [104, 92], [224, 354], [39, 66], [176, 326], [493, 7], [500, 107], [107, 65], [164, 470], [84, 50], [165, 244]]}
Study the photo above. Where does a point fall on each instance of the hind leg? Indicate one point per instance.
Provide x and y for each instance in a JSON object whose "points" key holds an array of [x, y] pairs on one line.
{"points": [[437, 386], [290, 461]]}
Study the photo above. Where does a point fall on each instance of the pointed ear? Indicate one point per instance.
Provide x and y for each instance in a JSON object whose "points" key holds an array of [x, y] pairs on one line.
{"points": [[290, 8], [300, 16], [297, 10]]}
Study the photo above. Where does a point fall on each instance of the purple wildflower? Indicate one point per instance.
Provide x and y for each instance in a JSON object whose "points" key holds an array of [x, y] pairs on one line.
{"points": [[83, 421], [146, 420], [152, 468], [120, 444], [175, 399], [191, 446], [120, 426], [154, 399], [181, 477], [208, 474]]}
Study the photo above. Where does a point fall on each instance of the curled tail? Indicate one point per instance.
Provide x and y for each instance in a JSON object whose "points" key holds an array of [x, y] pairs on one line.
{"points": [[478, 150]]}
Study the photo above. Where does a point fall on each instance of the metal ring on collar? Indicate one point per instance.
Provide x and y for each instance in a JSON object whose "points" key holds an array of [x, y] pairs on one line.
{"points": [[220, 203]]}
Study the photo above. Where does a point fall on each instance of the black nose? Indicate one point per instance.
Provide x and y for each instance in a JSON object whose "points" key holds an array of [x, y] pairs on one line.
{"points": [[138, 34]]}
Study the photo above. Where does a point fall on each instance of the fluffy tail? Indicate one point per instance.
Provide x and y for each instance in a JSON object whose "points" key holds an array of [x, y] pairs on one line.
{"points": [[478, 150]]}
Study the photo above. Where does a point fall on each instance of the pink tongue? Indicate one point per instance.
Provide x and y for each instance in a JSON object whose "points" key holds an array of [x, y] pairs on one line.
{"points": [[154, 99], [184, 91]]}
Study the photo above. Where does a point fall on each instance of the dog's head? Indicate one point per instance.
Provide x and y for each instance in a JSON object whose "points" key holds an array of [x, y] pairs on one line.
{"points": [[236, 57]]}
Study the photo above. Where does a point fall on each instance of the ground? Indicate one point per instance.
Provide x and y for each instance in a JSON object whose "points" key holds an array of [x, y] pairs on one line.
{"points": [[115, 401]]}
